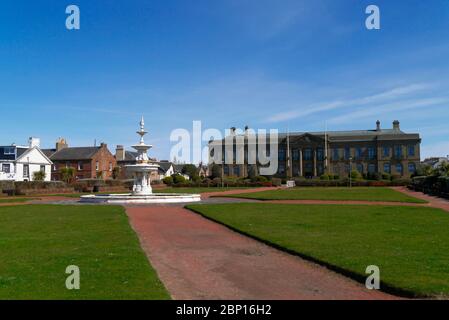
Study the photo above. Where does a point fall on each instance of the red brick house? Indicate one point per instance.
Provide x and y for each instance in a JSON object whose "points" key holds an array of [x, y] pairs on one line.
{"points": [[88, 162]]}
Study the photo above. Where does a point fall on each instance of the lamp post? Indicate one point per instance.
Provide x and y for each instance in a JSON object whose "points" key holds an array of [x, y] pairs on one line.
{"points": [[350, 172]]}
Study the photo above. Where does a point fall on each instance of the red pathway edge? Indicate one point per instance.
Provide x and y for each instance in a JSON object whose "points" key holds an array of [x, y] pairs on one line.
{"points": [[198, 259], [434, 202]]}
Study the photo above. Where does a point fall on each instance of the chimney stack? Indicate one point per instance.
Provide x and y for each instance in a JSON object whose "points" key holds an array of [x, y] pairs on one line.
{"points": [[34, 142], [120, 153], [396, 125], [377, 125], [61, 144]]}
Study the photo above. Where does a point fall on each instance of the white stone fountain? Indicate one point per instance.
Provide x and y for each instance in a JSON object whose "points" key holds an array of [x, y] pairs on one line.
{"points": [[142, 191]]}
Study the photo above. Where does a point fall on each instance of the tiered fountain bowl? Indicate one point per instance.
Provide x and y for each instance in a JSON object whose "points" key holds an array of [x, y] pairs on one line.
{"points": [[142, 192]]}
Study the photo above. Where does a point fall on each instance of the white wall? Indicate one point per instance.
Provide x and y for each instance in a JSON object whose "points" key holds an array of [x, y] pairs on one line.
{"points": [[35, 160]]}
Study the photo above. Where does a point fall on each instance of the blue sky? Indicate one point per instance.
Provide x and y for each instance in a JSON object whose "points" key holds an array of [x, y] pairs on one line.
{"points": [[262, 63]]}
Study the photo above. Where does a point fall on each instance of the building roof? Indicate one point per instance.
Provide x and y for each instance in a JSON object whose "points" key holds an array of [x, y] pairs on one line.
{"points": [[342, 136], [164, 165], [77, 153], [48, 152]]}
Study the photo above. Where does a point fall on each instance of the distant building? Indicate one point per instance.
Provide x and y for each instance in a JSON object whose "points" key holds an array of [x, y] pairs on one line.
{"points": [[19, 163], [435, 162], [304, 154], [88, 162]]}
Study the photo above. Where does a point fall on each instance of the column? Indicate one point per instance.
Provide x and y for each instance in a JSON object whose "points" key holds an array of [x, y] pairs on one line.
{"points": [[301, 171], [315, 173]]}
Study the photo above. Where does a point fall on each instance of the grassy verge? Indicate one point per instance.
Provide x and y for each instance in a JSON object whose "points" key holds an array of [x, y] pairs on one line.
{"points": [[337, 193], [410, 245], [196, 190], [15, 200], [38, 242]]}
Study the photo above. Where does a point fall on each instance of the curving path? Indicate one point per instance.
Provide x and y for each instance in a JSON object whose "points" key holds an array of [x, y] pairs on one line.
{"points": [[199, 259]]}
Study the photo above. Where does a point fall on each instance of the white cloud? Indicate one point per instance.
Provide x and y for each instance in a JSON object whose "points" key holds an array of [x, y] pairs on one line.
{"points": [[316, 108], [388, 108]]}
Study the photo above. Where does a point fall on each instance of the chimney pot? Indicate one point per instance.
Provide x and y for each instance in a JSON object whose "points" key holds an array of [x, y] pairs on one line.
{"points": [[396, 125], [377, 125]]}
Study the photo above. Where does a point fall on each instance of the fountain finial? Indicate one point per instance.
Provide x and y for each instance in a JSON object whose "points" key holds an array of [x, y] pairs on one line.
{"points": [[142, 124]]}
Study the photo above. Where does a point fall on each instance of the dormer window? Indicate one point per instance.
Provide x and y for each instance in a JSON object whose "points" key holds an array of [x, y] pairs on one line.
{"points": [[9, 151]]}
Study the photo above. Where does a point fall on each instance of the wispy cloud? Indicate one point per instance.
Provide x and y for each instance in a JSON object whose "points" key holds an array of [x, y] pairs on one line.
{"points": [[388, 108], [391, 94]]}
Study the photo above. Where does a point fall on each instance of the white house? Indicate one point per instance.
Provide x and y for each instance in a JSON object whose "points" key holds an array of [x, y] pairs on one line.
{"points": [[19, 163]]}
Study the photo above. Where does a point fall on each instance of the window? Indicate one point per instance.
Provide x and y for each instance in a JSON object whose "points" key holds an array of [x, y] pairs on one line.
{"points": [[55, 167], [398, 151], [371, 168], [237, 171], [282, 154], [97, 166], [358, 153], [226, 170], [9, 150], [110, 166], [399, 168], [347, 153], [26, 171], [411, 168], [281, 168], [360, 168], [371, 153], [308, 154], [295, 154], [411, 151], [80, 166], [320, 154], [335, 154], [387, 168], [42, 169], [6, 168], [386, 152]]}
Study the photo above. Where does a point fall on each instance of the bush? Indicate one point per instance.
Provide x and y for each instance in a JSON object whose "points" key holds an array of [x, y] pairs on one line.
{"points": [[68, 174], [325, 177], [355, 175], [39, 176], [168, 181], [177, 178], [276, 182], [386, 176], [259, 179]]}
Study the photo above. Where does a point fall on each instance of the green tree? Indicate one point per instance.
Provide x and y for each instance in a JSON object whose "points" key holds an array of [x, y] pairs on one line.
{"points": [[177, 178], [68, 174], [191, 170], [215, 171], [116, 172]]}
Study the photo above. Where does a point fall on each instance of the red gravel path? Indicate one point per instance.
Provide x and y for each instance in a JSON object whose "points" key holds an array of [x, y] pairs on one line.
{"points": [[434, 202], [199, 259]]}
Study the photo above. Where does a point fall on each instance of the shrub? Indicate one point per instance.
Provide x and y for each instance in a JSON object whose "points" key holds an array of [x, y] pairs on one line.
{"points": [[39, 176], [276, 182], [355, 175], [259, 179], [177, 178], [68, 174], [386, 176], [116, 172], [325, 177], [168, 181]]}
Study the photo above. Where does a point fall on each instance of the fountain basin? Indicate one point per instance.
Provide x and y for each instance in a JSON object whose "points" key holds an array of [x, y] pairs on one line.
{"points": [[141, 199]]}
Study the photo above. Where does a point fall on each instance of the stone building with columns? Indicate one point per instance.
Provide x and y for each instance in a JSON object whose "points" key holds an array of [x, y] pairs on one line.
{"points": [[312, 154]]}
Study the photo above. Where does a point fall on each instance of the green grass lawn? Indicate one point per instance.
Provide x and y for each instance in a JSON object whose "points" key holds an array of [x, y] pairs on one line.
{"points": [[195, 190], [409, 244], [38, 242], [332, 193], [14, 200]]}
